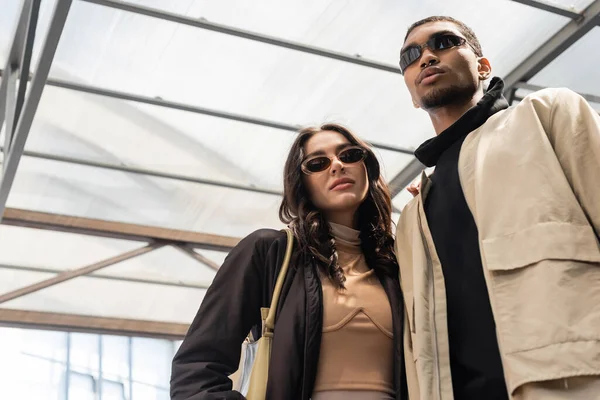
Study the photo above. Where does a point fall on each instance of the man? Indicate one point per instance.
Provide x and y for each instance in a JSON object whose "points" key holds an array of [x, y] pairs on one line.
{"points": [[499, 254]]}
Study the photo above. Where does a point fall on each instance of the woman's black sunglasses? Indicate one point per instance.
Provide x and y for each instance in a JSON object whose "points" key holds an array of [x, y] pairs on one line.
{"points": [[349, 155], [441, 42]]}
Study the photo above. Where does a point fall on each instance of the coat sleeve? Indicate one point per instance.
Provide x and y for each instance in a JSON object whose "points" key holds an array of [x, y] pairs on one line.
{"points": [[575, 135], [210, 351]]}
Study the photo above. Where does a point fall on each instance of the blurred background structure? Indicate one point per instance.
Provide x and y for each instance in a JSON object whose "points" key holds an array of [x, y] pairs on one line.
{"points": [[142, 138]]}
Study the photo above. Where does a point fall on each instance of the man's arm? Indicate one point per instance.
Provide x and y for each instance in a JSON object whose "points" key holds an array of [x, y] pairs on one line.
{"points": [[574, 131]]}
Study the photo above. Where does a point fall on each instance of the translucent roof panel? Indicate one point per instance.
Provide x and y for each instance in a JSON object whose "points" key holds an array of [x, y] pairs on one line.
{"points": [[116, 299], [56, 250], [574, 68], [121, 51], [147, 56], [13, 279], [167, 264], [118, 132], [278, 84], [576, 5], [108, 130], [350, 26], [218, 257], [8, 21], [391, 162], [62, 188]]}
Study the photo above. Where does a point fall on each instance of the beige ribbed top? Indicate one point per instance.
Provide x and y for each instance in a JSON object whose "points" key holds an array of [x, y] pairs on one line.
{"points": [[357, 342]]}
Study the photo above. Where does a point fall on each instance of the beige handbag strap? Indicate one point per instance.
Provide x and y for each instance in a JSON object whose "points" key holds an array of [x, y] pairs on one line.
{"points": [[270, 320]]}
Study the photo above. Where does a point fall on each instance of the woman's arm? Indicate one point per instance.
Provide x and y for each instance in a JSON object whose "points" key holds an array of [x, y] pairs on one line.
{"points": [[210, 351]]}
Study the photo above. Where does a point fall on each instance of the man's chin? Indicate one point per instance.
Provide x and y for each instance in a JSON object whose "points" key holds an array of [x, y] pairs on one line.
{"points": [[439, 96]]}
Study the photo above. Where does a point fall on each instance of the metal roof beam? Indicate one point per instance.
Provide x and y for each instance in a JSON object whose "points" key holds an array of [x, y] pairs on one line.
{"points": [[38, 82], [551, 7], [116, 230], [46, 270], [156, 101], [405, 176], [68, 275], [148, 172], [90, 324], [555, 46], [228, 30]]}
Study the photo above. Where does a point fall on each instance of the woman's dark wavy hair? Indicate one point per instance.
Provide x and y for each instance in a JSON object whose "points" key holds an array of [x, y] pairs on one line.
{"points": [[310, 227]]}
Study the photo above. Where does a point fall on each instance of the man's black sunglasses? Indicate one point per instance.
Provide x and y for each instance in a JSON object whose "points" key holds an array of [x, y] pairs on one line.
{"points": [[440, 42]]}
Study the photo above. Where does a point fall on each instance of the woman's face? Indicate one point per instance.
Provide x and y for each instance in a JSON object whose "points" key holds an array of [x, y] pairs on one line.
{"points": [[342, 187]]}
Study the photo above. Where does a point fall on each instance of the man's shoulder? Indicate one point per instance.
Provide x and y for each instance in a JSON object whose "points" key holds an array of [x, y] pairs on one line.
{"points": [[550, 96], [542, 103]]}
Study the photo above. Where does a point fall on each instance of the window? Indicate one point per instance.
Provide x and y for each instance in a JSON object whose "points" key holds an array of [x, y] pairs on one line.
{"points": [[46, 365]]}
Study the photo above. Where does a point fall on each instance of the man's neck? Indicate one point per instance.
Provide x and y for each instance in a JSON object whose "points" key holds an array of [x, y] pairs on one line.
{"points": [[443, 117]]}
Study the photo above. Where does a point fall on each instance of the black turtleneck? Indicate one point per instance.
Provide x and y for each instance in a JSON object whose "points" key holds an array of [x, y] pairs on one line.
{"points": [[474, 356]]}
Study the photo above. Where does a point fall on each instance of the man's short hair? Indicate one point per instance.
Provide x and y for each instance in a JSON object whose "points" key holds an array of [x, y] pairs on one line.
{"points": [[462, 27]]}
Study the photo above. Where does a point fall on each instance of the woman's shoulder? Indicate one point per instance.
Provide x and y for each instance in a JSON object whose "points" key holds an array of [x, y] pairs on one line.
{"points": [[263, 238]]}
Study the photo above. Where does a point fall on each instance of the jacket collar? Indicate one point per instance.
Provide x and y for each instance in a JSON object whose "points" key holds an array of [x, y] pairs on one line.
{"points": [[491, 102]]}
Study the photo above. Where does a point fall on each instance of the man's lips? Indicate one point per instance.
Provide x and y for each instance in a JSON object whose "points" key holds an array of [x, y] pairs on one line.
{"points": [[429, 71]]}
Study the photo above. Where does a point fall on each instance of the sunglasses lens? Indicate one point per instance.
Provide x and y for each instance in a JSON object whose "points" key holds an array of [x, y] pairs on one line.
{"points": [[409, 56], [317, 164], [447, 41], [442, 42], [351, 156]]}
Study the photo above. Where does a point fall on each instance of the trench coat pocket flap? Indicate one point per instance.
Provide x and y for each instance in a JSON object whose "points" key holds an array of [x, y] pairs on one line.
{"points": [[544, 241]]}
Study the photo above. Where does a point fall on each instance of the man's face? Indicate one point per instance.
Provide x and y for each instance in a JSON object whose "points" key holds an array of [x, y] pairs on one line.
{"points": [[441, 78]]}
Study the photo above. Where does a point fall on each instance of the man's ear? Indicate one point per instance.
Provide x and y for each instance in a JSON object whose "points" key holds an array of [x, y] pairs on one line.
{"points": [[484, 68]]}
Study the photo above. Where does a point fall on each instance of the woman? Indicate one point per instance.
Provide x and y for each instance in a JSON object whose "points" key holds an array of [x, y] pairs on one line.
{"points": [[338, 332]]}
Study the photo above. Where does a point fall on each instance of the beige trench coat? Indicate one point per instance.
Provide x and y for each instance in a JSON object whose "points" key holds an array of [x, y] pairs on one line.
{"points": [[531, 178]]}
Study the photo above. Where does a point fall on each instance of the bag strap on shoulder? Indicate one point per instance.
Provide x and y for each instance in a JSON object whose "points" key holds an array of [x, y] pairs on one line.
{"points": [[269, 322]]}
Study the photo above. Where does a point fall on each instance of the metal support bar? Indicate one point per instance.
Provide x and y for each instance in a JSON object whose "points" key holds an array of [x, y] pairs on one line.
{"points": [[25, 63], [99, 387], [534, 88], [406, 176], [38, 83], [511, 95], [46, 270], [116, 230], [198, 257], [89, 324], [554, 47], [194, 109], [203, 24], [147, 172], [551, 7], [67, 275], [10, 112], [14, 55], [68, 365], [168, 104], [130, 366]]}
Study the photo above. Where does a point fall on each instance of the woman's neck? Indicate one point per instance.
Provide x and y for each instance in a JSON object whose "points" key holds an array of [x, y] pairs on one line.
{"points": [[347, 239], [347, 219]]}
